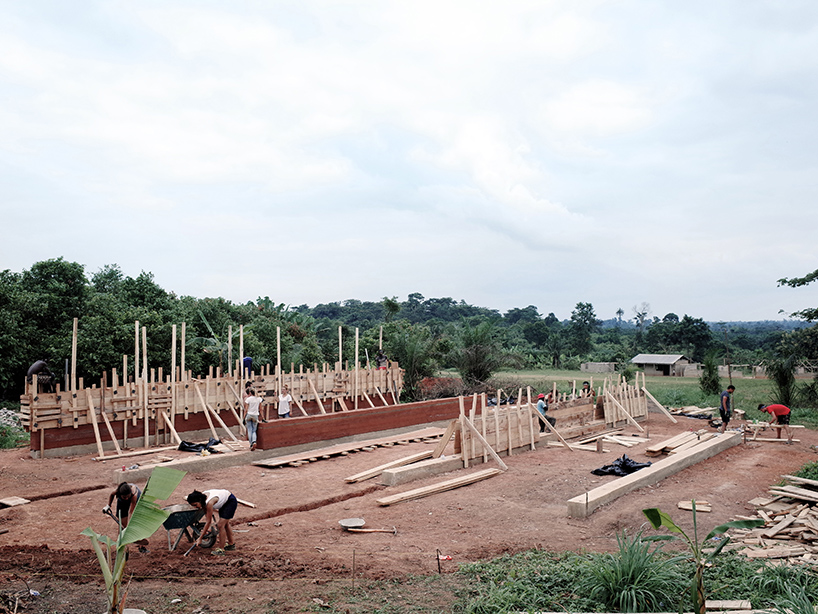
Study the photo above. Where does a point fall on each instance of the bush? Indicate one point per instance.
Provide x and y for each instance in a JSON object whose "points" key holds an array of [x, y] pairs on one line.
{"points": [[709, 380], [635, 579], [11, 437]]}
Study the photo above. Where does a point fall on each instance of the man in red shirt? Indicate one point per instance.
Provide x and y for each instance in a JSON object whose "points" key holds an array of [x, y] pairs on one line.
{"points": [[780, 414]]}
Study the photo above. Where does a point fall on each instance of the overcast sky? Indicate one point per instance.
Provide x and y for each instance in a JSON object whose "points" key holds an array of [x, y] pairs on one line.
{"points": [[504, 153]]}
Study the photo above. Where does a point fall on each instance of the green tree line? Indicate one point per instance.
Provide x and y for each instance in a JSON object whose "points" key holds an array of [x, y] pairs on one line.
{"points": [[37, 307]]}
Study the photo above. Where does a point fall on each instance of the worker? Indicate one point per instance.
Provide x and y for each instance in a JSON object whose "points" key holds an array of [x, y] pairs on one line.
{"points": [[284, 402], [252, 417], [45, 378], [726, 407], [587, 391], [780, 414], [381, 361], [224, 503], [542, 407], [127, 495]]}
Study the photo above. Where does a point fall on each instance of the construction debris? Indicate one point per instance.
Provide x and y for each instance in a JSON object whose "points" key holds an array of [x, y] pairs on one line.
{"points": [[791, 524]]}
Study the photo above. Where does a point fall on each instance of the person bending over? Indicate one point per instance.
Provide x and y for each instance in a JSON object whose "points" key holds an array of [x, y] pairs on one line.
{"points": [[218, 501]]}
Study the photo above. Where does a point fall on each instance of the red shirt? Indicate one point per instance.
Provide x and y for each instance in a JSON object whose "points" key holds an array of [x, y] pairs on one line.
{"points": [[777, 409]]}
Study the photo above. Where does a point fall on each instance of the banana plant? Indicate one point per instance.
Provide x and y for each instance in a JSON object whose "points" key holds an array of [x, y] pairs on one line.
{"points": [[658, 519], [146, 519]]}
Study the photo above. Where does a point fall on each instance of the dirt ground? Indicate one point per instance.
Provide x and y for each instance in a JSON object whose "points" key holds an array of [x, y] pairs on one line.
{"points": [[290, 547]]}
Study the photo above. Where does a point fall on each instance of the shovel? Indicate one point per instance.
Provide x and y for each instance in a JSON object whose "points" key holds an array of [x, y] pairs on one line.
{"points": [[189, 549]]}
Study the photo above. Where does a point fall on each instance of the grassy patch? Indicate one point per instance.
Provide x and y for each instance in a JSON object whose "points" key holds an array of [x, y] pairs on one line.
{"points": [[12, 437]]}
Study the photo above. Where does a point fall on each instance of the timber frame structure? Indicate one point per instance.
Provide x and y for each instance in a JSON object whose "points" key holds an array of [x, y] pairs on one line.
{"points": [[153, 408]]}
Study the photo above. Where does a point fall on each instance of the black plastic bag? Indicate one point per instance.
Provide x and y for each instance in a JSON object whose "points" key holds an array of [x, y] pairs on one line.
{"points": [[187, 446], [621, 466]]}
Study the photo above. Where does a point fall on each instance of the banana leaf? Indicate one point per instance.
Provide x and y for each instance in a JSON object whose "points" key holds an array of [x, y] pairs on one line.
{"points": [[147, 516]]}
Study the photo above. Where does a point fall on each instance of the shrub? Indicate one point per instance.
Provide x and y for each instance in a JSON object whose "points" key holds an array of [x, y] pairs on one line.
{"points": [[635, 579], [709, 380]]}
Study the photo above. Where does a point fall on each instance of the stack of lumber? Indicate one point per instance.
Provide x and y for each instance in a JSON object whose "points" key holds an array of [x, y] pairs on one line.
{"points": [[679, 443], [429, 435], [791, 524]]}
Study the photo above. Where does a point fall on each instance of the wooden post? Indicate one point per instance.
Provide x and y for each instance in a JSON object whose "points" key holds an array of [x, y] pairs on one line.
{"points": [[278, 358], [136, 372], [380, 339], [357, 364], [146, 443], [340, 348], [464, 452], [182, 360], [230, 350], [74, 363], [173, 374], [241, 358]]}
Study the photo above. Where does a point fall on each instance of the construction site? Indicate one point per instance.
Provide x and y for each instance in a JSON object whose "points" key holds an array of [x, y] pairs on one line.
{"points": [[356, 486]]}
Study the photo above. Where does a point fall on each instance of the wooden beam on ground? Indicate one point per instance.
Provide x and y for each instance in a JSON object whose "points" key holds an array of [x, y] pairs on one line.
{"points": [[247, 503], [576, 446], [138, 453], [659, 405], [340, 449], [376, 471], [619, 406], [432, 489], [585, 504]]}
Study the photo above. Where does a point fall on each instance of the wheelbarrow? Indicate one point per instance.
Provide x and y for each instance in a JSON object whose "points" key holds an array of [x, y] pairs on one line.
{"points": [[188, 521]]}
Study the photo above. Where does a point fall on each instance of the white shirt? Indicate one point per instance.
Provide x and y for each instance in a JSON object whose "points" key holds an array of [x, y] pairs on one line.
{"points": [[252, 404], [220, 495], [284, 401]]}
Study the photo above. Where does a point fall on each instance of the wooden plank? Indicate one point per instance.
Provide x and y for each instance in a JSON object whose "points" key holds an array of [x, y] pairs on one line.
{"points": [[93, 415], [801, 493], [583, 505], [797, 480], [203, 403], [342, 404], [547, 425], [485, 443], [576, 446], [692, 443], [659, 405], [432, 489], [338, 449], [628, 417], [172, 429], [701, 506], [734, 604], [218, 418], [13, 501], [247, 503], [376, 471], [317, 397], [444, 441], [658, 448], [110, 428]]}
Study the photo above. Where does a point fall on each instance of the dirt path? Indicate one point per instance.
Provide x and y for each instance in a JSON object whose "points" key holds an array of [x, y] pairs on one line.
{"points": [[295, 536]]}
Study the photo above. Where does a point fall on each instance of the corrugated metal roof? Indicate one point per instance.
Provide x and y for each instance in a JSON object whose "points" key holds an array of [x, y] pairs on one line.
{"points": [[656, 359]]}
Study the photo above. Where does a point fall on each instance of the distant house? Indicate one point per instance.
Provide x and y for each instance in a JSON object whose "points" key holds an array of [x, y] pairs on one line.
{"points": [[661, 364]]}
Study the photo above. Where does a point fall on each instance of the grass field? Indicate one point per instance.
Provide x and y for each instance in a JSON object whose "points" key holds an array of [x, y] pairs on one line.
{"points": [[670, 391]]}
